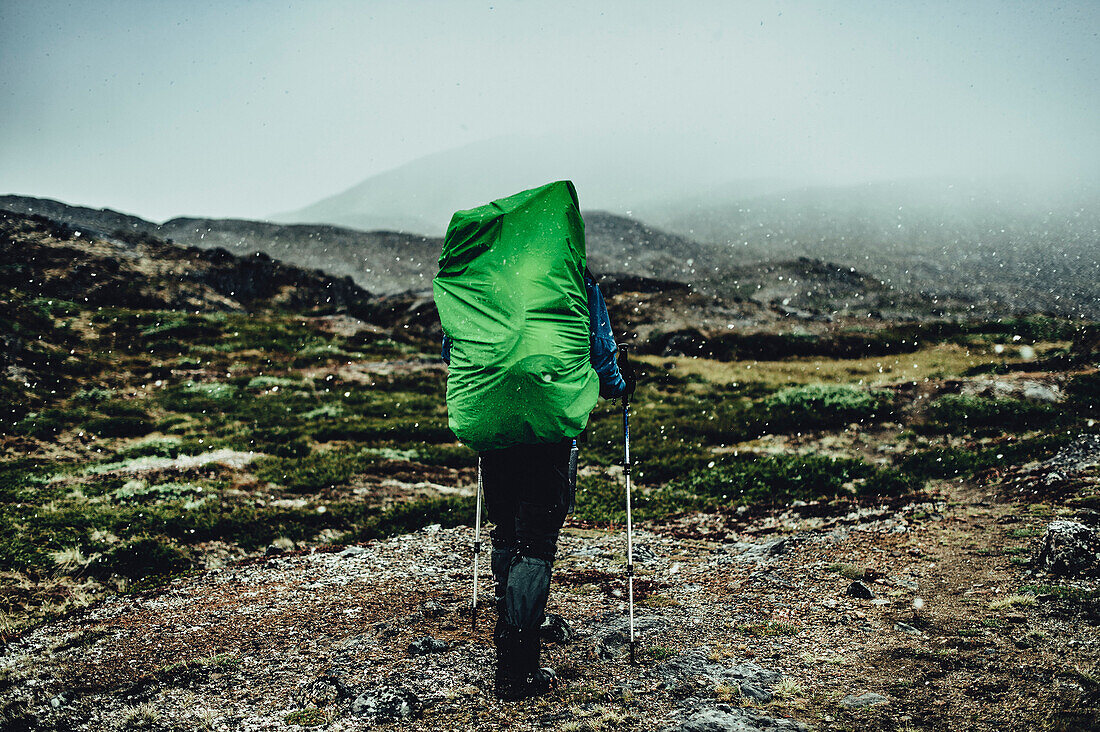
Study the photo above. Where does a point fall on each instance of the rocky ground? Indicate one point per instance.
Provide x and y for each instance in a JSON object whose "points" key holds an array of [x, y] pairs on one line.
{"points": [[881, 619]]}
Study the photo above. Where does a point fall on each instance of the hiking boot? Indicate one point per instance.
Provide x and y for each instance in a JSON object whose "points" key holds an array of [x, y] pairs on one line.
{"points": [[518, 675]]}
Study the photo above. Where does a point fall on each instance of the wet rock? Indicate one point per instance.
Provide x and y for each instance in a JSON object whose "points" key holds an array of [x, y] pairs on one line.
{"points": [[393, 704], [907, 628], [859, 591], [432, 609], [1029, 389], [323, 691], [1067, 548], [724, 718], [870, 699], [753, 680], [360, 640], [427, 645], [592, 551], [1081, 454], [749, 552], [613, 634], [555, 629], [756, 693]]}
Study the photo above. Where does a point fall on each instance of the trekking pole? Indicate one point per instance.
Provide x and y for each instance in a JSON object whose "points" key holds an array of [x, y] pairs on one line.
{"points": [[477, 545], [624, 364]]}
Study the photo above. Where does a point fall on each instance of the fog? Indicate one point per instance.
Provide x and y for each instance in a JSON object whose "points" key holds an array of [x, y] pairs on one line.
{"points": [[244, 109]]}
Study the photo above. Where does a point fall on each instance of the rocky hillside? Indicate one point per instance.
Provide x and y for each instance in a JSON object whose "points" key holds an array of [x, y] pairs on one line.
{"points": [[777, 277], [887, 618], [377, 261], [944, 238], [136, 270], [230, 500]]}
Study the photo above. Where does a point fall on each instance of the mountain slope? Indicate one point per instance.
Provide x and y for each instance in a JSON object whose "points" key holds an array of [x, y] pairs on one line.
{"points": [[939, 237], [378, 261]]}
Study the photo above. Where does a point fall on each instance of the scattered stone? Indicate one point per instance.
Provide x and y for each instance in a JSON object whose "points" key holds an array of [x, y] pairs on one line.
{"points": [[352, 551], [906, 628], [754, 681], [870, 699], [756, 693], [1067, 548], [555, 629], [613, 634], [394, 704], [904, 582], [860, 591], [432, 609], [762, 552], [323, 691], [723, 718], [357, 641], [1081, 454], [427, 645]]}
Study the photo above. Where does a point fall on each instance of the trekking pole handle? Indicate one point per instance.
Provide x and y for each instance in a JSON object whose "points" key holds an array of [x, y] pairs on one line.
{"points": [[624, 364]]}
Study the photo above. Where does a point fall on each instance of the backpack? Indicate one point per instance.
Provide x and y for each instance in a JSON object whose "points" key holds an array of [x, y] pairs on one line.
{"points": [[511, 300]]}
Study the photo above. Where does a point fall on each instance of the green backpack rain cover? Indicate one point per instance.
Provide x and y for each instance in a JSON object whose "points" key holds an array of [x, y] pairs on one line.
{"points": [[511, 299]]}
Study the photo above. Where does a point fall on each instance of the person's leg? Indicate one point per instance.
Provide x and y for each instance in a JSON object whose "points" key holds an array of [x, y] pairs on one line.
{"points": [[501, 506], [542, 479], [540, 512]]}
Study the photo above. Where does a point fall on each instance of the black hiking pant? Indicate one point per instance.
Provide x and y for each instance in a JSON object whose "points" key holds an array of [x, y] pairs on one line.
{"points": [[527, 496]]}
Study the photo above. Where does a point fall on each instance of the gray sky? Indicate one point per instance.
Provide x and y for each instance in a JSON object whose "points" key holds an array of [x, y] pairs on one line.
{"points": [[242, 109]]}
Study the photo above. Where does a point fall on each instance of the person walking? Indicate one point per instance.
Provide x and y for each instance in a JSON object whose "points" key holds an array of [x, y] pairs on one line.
{"points": [[515, 299]]}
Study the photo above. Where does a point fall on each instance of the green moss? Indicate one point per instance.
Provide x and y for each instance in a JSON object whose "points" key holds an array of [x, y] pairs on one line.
{"points": [[49, 422], [965, 413], [773, 479], [125, 426], [316, 471], [309, 717], [1069, 594], [1083, 392], [822, 405], [143, 556], [948, 462]]}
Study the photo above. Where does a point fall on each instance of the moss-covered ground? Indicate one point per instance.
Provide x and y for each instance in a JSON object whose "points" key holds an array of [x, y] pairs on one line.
{"points": [[157, 442]]}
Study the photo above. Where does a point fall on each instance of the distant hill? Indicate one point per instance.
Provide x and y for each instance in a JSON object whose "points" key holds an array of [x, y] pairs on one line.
{"points": [[609, 172], [136, 270], [765, 262], [1035, 250], [378, 261], [941, 238]]}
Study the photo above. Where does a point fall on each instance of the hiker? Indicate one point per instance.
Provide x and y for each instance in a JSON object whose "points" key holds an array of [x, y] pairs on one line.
{"points": [[526, 484]]}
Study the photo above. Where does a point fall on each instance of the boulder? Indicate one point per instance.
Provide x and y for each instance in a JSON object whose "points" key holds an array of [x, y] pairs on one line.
{"points": [[870, 699], [1067, 549], [859, 590], [391, 704], [554, 629], [724, 718], [426, 645]]}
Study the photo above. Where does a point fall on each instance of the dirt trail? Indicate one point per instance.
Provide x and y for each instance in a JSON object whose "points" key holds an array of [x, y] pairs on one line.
{"points": [[765, 626]]}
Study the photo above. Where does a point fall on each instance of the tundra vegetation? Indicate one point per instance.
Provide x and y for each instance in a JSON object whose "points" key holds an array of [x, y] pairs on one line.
{"points": [[139, 443], [103, 483]]}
